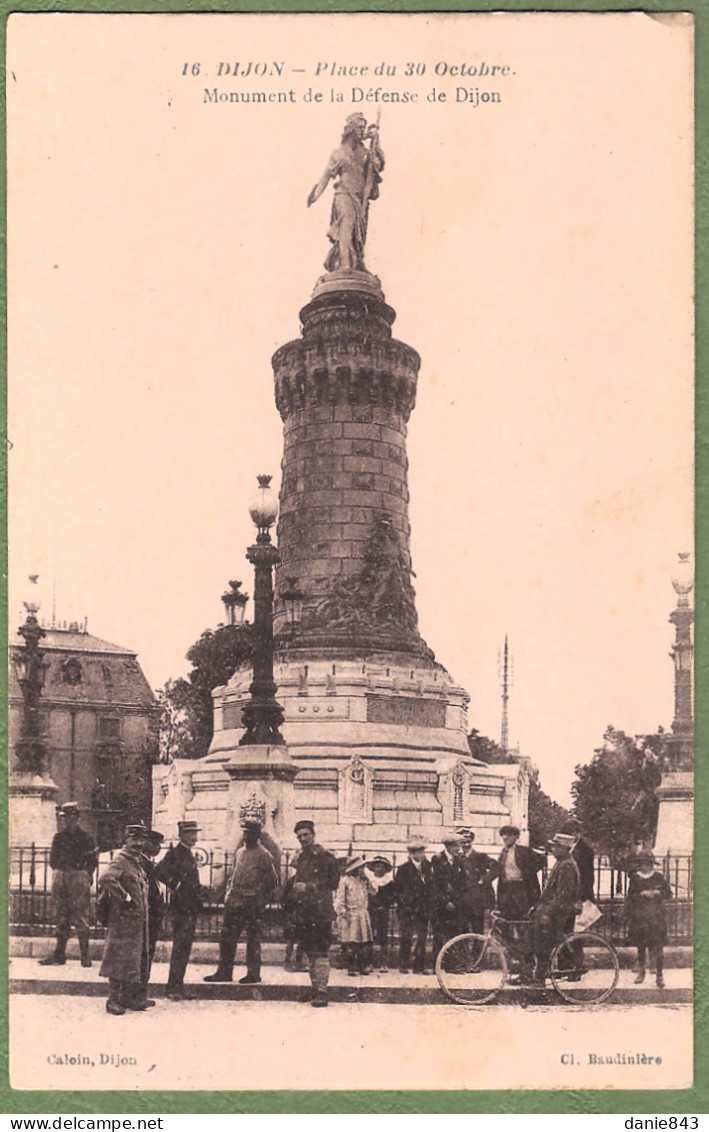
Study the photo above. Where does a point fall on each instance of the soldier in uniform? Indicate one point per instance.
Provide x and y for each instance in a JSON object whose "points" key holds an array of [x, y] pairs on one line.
{"points": [[178, 871], [73, 860], [316, 878], [125, 956]]}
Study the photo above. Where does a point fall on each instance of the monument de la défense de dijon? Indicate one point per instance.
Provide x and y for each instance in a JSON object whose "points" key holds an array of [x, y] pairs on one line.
{"points": [[375, 728]]}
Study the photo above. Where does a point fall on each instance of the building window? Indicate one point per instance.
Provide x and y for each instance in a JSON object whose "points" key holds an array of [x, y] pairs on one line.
{"points": [[109, 727], [72, 672], [108, 791]]}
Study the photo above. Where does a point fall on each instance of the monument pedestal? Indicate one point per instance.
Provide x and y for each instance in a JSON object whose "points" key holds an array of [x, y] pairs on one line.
{"points": [[33, 809], [215, 790], [675, 821]]}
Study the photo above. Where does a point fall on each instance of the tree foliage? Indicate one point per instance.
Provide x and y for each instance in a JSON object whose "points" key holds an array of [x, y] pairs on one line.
{"points": [[187, 714], [487, 750], [545, 816], [614, 794]]}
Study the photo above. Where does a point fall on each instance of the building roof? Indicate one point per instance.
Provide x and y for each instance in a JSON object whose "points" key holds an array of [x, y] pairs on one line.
{"points": [[74, 640], [86, 670]]}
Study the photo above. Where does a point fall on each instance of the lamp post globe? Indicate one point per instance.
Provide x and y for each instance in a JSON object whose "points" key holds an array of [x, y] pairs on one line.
{"points": [[263, 715]]}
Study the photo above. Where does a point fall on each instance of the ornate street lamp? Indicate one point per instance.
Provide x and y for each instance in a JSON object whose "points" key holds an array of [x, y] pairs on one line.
{"points": [[235, 603], [292, 599], [263, 715], [31, 670]]}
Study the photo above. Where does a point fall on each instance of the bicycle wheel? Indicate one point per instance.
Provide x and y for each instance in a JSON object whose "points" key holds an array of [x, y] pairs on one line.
{"points": [[471, 969], [584, 968]]}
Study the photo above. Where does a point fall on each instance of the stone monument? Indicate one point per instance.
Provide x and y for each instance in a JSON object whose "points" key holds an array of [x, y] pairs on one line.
{"points": [[675, 821], [376, 726]]}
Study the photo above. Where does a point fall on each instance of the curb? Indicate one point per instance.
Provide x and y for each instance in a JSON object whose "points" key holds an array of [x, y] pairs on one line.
{"points": [[404, 996]]}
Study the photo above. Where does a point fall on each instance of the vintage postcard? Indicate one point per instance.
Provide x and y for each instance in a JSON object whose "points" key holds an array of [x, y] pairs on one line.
{"points": [[351, 570]]}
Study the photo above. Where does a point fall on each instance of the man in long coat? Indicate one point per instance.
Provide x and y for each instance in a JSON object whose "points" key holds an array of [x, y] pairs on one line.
{"points": [[316, 878], [178, 871], [125, 956]]}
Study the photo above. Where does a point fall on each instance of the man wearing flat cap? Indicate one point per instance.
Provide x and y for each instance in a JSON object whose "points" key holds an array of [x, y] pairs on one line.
{"points": [[125, 956], [316, 878], [560, 900], [516, 872], [478, 893], [448, 884], [178, 871], [413, 895], [73, 861], [252, 883]]}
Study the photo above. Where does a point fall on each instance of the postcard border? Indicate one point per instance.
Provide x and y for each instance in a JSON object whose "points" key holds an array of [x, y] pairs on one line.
{"points": [[678, 1102]]}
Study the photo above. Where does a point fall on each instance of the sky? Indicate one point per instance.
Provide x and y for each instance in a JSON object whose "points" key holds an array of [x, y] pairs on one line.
{"points": [[537, 250]]}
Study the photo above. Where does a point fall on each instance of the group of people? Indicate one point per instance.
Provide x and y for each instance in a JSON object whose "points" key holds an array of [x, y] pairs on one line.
{"points": [[451, 893], [448, 894]]}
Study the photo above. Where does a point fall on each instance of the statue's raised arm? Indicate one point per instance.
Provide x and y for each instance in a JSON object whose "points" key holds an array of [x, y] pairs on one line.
{"points": [[356, 172]]}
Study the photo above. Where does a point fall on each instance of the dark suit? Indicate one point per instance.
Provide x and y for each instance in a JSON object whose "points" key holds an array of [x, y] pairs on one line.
{"points": [[156, 910], [516, 897], [178, 870], [478, 893], [583, 855], [413, 893], [556, 906], [448, 884]]}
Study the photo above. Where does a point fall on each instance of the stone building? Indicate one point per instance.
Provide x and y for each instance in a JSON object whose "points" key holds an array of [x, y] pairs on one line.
{"points": [[99, 729]]}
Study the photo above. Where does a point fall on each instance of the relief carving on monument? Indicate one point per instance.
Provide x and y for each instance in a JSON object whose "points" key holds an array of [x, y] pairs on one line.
{"points": [[380, 596], [454, 793], [355, 782]]}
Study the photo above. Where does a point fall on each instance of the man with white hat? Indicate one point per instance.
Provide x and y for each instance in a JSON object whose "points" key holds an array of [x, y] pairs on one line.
{"points": [[560, 899], [73, 861], [178, 871]]}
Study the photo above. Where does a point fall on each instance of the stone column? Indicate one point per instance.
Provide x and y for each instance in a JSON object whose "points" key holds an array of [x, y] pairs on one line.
{"points": [[345, 390]]}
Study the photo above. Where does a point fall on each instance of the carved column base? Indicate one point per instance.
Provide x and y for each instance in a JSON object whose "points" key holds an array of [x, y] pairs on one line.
{"points": [[675, 820], [261, 776], [33, 809]]}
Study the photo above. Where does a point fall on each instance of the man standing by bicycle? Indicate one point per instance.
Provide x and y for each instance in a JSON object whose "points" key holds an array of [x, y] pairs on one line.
{"points": [[559, 901]]}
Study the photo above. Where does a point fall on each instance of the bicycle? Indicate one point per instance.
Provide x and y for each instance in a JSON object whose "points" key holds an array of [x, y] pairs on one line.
{"points": [[472, 969]]}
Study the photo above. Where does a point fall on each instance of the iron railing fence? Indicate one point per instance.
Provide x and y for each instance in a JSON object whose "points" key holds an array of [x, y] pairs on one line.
{"points": [[32, 913]]}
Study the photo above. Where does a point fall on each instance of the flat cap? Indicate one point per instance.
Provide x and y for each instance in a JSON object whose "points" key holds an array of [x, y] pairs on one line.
{"points": [[304, 824]]}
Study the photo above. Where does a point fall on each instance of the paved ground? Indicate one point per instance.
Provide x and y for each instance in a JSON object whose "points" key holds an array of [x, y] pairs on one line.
{"points": [[63, 1042]]}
